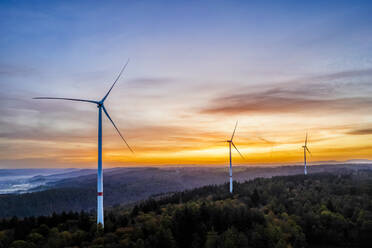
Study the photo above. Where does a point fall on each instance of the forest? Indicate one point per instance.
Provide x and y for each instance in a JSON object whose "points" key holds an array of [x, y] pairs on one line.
{"points": [[318, 210]]}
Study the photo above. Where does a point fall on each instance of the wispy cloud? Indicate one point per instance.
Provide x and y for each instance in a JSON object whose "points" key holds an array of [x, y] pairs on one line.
{"points": [[267, 103], [366, 131], [9, 70], [316, 93], [345, 74], [28, 119], [150, 81]]}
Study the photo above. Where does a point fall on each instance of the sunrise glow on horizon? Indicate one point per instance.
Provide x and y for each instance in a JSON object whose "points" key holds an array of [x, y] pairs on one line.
{"points": [[195, 69]]}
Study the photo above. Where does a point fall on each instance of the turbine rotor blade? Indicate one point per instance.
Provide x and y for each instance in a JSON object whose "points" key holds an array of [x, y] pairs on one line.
{"points": [[266, 141], [67, 99], [306, 140], [121, 72], [238, 151], [108, 116], [234, 131], [308, 150]]}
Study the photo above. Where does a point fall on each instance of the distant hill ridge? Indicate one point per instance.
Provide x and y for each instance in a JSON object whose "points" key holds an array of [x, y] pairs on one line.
{"points": [[129, 185]]}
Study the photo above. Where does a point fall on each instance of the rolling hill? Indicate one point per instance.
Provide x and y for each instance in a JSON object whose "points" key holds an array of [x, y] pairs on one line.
{"points": [[76, 190]]}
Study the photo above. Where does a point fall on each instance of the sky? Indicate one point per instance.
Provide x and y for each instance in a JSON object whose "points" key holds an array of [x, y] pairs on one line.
{"points": [[280, 68]]}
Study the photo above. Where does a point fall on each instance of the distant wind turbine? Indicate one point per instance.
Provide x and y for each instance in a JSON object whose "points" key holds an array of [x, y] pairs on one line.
{"points": [[100, 107], [231, 143], [271, 143], [305, 149]]}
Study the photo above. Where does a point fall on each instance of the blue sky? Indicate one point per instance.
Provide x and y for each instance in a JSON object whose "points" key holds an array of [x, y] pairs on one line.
{"points": [[187, 59]]}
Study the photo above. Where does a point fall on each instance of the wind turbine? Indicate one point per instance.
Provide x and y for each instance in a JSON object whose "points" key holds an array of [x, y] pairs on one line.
{"points": [[231, 143], [100, 107], [305, 150]]}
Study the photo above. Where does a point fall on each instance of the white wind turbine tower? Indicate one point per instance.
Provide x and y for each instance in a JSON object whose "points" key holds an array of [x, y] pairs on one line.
{"points": [[231, 143], [100, 107], [305, 150]]}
